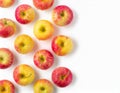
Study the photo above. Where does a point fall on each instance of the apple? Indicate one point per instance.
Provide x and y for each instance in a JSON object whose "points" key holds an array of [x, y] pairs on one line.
{"points": [[7, 27], [23, 74], [62, 45], [43, 59], [6, 86], [43, 4], [62, 76], [6, 3], [43, 29], [62, 15], [24, 14], [23, 44], [6, 58], [43, 86]]}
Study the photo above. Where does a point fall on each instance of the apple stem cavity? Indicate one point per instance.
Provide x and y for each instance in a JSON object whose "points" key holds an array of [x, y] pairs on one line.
{"points": [[1, 58], [23, 76], [22, 13], [2, 89], [62, 77], [62, 44], [62, 14], [22, 44], [42, 29], [42, 59], [42, 88], [5, 22]]}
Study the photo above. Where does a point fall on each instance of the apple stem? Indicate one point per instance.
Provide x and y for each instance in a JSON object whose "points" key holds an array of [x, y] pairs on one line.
{"points": [[62, 44], [22, 13], [42, 58], [5, 22], [1, 58], [42, 29], [2, 89], [22, 44], [62, 77], [42, 88], [62, 14]]}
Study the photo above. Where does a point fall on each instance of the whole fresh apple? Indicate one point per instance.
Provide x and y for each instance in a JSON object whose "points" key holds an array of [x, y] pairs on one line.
{"points": [[62, 15], [43, 29], [24, 14], [7, 27], [23, 74], [43, 59], [6, 3], [6, 86], [62, 76], [24, 44], [43, 4], [43, 86], [6, 58], [62, 45]]}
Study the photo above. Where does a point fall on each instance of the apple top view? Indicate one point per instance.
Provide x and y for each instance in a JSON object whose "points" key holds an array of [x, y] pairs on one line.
{"points": [[23, 56], [7, 27], [24, 14]]}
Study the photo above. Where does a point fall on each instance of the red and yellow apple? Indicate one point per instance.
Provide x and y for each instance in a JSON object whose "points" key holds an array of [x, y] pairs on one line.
{"points": [[6, 58], [43, 4], [6, 3], [24, 14], [43, 29], [23, 74], [62, 76], [24, 44], [7, 27], [62, 15], [43, 86], [43, 59], [62, 45], [6, 86]]}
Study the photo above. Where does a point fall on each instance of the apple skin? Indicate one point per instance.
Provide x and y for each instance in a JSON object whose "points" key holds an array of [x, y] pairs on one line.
{"points": [[43, 4], [43, 59], [23, 74], [62, 15], [43, 86], [6, 86], [43, 29], [23, 44], [24, 14], [6, 58], [62, 76], [7, 27], [6, 3], [62, 45]]}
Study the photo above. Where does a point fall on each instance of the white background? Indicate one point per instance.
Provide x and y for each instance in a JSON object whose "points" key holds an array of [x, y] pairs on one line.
{"points": [[95, 60]]}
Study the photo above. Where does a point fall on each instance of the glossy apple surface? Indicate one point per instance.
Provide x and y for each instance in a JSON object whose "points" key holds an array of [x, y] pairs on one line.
{"points": [[62, 45], [7, 27], [43, 29], [43, 59], [43, 86], [62, 15], [43, 4], [23, 44], [24, 14], [6, 58], [6, 3], [62, 76], [6, 86], [23, 74]]}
